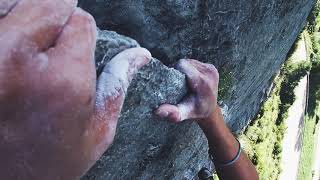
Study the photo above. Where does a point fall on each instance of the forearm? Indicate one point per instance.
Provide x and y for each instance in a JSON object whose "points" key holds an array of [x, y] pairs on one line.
{"points": [[220, 140], [224, 147]]}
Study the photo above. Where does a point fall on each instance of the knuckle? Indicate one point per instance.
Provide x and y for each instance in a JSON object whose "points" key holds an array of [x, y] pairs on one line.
{"points": [[206, 82], [212, 68], [85, 17], [180, 63], [203, 80], [213, 72]]}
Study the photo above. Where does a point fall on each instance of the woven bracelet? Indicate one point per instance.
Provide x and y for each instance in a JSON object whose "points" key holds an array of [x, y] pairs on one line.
{"points": [[235, 159]]}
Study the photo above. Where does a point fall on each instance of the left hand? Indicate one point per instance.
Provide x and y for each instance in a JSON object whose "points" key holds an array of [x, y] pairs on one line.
{"points": [[200, 103]]}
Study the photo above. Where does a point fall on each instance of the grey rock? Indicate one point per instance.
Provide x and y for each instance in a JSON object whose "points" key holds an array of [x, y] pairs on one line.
{"points": [[144, 144], [109, 44], [246, 40]]}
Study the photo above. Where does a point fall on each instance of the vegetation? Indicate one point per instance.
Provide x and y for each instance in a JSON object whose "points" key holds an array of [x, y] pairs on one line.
{"points": [[307, 152], [291, 73], [309, 131], [313, 19], [315, 72], [262, 140], [225, 84]]}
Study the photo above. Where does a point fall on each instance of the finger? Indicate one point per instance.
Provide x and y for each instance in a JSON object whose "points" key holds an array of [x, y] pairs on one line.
{"points": [[128, 62], [72, 58], [192, 73], [206, 69], [209, 79], [170, 112], [77, 41], [40, 22], [181, 112], [6, 6], [199, 75], [118, 73], [186, 67]]}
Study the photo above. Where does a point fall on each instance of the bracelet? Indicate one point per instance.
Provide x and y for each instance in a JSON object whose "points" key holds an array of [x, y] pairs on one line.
{"points": [[228, 163]]}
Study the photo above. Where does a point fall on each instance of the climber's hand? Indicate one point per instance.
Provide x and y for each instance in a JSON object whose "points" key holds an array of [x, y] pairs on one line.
{"points": [[203, 80], [111, 90], [54, 123], [47, 88]]}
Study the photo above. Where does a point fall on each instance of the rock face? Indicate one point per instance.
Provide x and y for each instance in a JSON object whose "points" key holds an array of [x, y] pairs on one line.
{"points": [[247, 41], [144, 145]]}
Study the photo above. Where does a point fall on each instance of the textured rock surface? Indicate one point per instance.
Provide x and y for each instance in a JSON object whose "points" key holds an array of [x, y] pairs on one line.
{"points": [[109, 44], [144, 145], [246, 39]]}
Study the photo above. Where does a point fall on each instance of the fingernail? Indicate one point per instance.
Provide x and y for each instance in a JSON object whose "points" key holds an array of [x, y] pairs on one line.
{"points": [[142, 60], [145, 55], [162, 113], [182, 65]]}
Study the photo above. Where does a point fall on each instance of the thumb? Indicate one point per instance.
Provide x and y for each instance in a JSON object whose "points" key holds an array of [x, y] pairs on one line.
{"points": [[111, 90], [118, 73], [176, 113]]}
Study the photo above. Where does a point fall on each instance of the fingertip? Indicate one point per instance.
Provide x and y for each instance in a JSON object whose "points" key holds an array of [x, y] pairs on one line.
{"points": [[85, 18], [143, 52], [140, 53], [185, 67], [180, 63], [169, 112], [161, 113], [147, 53], [163, 110], [82, 13], [89, 21], [175, 117], [212, 68], [136, 57], [143, 57]]}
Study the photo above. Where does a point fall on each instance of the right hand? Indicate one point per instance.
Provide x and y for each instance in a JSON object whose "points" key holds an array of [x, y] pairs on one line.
{"points": [[56, 117], [200, 103]]}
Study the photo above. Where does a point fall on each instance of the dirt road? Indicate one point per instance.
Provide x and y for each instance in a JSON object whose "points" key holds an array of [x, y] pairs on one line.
{"points": [[292, 142]]}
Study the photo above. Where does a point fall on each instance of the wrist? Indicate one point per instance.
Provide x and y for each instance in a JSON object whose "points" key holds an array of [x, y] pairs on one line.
{"points": [[222, 143], [212, 118], [213, 126]]}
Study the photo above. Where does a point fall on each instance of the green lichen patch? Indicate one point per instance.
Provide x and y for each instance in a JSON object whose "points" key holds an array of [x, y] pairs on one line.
{"points": [[225, 84]]}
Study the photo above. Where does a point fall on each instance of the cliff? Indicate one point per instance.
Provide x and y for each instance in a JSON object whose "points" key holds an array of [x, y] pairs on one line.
{"points": [[247, 41]]}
